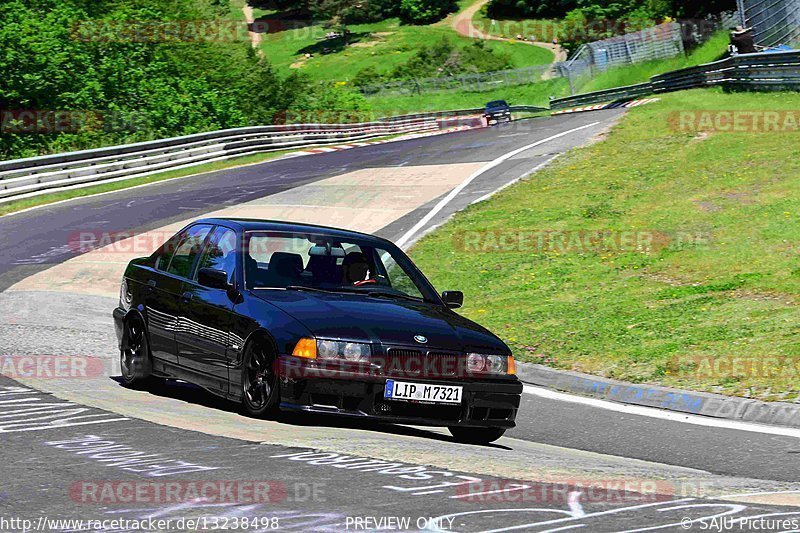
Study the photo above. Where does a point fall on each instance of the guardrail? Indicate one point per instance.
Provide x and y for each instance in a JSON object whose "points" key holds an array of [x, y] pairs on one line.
{"points": [[768, 70], [608, 95], [22, 178], [30, 176]]}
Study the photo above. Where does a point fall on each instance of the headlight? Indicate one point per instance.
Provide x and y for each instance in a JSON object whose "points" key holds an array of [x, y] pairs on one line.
{"points": [[490, 364], [356, 352], [475, 362], [125, 296], [495, 364], [328, 349]]}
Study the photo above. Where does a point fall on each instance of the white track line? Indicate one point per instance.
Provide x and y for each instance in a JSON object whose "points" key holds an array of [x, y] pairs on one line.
{"points": [[748, 494], [486, 168], [522, 176], [661, 414]]}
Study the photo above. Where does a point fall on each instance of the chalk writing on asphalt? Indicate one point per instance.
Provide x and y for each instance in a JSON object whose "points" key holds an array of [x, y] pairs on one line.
{"points": [[23, 409]]}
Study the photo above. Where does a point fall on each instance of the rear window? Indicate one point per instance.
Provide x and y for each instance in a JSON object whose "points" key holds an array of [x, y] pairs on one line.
{"points": [[187, 251]]}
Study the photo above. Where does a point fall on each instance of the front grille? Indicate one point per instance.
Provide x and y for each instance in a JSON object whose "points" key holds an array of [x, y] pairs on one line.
{"points": [[418, 363], [486, 413], [417, 410]]}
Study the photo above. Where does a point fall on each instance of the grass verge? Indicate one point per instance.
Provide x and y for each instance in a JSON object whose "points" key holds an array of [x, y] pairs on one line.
{"points": [[710, 304]]}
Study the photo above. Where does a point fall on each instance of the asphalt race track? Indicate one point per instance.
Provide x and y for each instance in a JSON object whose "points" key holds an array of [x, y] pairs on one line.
{"points": [[79, 448]]}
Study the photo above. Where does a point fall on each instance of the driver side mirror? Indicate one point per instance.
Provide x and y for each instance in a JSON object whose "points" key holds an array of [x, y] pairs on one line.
{"points": [[453, 299], [213, 279]]}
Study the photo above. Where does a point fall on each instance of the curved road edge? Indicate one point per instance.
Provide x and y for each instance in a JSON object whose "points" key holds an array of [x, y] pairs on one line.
{"points": [[780, 414]]}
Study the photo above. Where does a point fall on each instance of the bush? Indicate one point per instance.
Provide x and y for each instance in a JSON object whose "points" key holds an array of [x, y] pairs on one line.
{"points": [[425, 11], [441, 59], [368, 76], [326, 102], [611, 9], [511, 9]]}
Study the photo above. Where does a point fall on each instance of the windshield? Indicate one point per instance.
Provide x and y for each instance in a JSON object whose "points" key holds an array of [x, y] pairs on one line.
{"points": [[497, 103], [290, 261]]}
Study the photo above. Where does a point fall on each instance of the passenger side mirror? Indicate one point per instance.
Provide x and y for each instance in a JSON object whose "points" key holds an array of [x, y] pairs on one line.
{"points": [[453, 299], [213, 279]]}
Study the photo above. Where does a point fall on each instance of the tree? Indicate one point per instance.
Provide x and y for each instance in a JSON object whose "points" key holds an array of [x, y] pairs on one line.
{"points": [[339, 13]]}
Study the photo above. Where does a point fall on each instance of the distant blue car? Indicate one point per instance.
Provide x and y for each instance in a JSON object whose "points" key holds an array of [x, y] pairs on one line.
{"points": [[497, 111]]}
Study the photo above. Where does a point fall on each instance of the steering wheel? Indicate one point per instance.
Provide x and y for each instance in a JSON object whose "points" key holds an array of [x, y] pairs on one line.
{"points": [[365, 282]]}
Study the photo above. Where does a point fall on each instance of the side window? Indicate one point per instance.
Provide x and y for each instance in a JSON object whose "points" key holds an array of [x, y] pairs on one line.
{"points": [[165, 253], [187, 251], [220, 253]]}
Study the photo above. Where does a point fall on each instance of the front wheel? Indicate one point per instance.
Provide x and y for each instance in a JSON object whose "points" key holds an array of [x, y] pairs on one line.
{"points": [[476, 435], [260, 388], [135, 363]]}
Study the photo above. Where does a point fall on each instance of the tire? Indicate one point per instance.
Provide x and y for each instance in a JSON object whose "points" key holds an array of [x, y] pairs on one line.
{"points": [[469, 435], [135, 361], [260, 386]]}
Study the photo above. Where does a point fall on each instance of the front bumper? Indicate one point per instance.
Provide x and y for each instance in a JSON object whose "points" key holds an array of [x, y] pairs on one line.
{"points": [[497, 117], [307, 386]]}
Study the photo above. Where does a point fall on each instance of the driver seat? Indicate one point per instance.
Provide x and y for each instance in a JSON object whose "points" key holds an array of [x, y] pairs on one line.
{"points": [[354, 268]]}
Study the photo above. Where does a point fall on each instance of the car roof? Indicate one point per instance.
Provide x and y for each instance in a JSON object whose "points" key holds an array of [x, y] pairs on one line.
{"points": [[250, 224]]}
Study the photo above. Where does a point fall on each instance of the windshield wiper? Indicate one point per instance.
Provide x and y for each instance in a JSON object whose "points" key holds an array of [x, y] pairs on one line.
{"points": [[334, 290], [387, 294], [304, 288], [349, 290]]}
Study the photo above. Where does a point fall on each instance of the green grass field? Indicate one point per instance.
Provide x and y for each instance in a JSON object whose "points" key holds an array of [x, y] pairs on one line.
{"points": [[721, 278], [382, 45]]}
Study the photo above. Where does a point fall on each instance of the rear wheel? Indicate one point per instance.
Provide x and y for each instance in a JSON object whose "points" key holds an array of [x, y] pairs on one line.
{"points": [[260, 388], [135, 361], [476, 435]]}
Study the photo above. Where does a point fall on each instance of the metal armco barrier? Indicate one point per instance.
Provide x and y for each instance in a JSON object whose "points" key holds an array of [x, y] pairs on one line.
{"points": [[763, 71], [608, 95], [38, 174]]}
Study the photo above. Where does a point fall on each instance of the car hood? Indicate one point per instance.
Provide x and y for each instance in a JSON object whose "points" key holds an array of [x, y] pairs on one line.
{"points": [[390, 322]]}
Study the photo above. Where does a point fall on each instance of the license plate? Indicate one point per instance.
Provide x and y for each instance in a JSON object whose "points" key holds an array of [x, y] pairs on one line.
{"points": [[422, 392]]}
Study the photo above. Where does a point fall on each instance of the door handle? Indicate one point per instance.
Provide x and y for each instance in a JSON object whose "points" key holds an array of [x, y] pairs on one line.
{"points": [[187, 296], [151, 285]]}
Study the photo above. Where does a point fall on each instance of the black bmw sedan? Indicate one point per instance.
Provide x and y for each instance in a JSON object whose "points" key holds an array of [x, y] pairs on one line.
{"points": [[282, 316]]}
